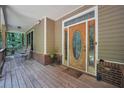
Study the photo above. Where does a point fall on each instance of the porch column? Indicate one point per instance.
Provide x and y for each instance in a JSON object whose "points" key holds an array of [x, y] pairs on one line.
{"points": [[22, 39], [3, 37]]}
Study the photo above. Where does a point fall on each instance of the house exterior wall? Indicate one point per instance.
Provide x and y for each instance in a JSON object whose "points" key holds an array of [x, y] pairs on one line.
{"points": [[58, 27], [38, 35], [38, 42], [50, 28], [39, 39], [110, 32]]}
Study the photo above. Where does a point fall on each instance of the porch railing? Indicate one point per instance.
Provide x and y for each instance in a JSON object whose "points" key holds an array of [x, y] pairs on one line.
{"points": [[2, 60]]}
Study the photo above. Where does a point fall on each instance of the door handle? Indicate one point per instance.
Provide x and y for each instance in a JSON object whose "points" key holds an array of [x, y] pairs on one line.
{"points": [[95, 43]]}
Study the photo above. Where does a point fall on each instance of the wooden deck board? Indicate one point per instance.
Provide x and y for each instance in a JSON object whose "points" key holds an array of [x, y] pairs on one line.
{"points": [[63, 80], [49, 77], [8, 79], [31, 74], [15, 83], [33, 77], [21, 81], [2, 81], [26, 78], [71, 80], [45, 79]]}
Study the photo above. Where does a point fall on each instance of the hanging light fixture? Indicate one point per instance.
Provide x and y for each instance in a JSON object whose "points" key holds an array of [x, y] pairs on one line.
{"points": [[19, 27]]}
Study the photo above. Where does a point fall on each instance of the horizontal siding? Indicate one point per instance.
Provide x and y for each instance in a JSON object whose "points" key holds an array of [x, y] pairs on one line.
{"points": [[38, 41], [111, 33], [50, 35]]}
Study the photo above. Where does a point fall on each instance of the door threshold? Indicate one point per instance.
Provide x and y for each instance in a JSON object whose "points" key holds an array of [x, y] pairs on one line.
{"points": [[90, 74]]}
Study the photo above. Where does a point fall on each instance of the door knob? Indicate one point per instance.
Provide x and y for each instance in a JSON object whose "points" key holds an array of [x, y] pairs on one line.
{"points": [[95, 43]]}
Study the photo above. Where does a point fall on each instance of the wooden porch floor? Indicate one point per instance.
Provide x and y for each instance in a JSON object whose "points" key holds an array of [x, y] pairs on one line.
{"points": [[31, 74]]}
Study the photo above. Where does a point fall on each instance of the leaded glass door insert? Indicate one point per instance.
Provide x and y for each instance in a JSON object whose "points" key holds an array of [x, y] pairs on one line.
{"points": [[91, 47], [77, 45]]}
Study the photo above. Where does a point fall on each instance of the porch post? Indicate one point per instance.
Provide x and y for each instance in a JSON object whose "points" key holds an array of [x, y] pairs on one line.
{"points": [[22, 39], [3, 37]]}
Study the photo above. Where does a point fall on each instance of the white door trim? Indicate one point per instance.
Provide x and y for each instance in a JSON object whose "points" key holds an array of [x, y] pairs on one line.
{"points": [[95, 8], [45, 35], [96, 32], [80, 14]]}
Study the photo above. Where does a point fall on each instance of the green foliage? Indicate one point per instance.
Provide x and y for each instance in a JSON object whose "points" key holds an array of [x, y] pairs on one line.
{"points": [[53, 55], [14, 41]]}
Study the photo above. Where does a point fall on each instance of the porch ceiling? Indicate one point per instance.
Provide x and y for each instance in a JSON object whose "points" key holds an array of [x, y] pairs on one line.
{"points": [[27, 15]]}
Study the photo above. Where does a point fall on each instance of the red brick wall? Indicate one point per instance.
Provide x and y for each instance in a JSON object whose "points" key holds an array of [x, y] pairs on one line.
{"points": [[45, 59]]}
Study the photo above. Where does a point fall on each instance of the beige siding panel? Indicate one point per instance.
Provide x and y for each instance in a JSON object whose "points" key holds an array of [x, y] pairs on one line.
{"points": [[111, 33], [58, 36], [50, 35], [108, 8], [38, 37]]}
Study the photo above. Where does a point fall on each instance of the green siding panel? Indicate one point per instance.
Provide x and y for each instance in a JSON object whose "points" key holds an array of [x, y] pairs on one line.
{"points": [[111, 33]]}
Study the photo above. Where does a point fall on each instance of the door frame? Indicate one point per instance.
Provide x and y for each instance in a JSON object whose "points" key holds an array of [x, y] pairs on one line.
{"points": [[95, 8]]}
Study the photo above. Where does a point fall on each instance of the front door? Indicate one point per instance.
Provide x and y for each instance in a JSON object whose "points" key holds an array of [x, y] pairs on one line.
{"points": [[77, 46]]}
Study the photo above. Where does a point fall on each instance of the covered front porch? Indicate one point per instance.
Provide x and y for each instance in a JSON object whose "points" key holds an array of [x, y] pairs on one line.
{"points": [[19, 73], [62, 52]]}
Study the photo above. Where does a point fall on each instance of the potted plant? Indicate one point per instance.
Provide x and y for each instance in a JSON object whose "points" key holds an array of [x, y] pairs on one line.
{"points": [[53, 56]]}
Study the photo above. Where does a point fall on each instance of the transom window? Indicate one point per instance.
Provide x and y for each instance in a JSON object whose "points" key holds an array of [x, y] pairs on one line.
{"points": [[80, 18]]}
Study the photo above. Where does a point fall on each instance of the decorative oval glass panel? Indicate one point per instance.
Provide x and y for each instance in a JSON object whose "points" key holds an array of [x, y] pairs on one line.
{"points": [[77, 44]]}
